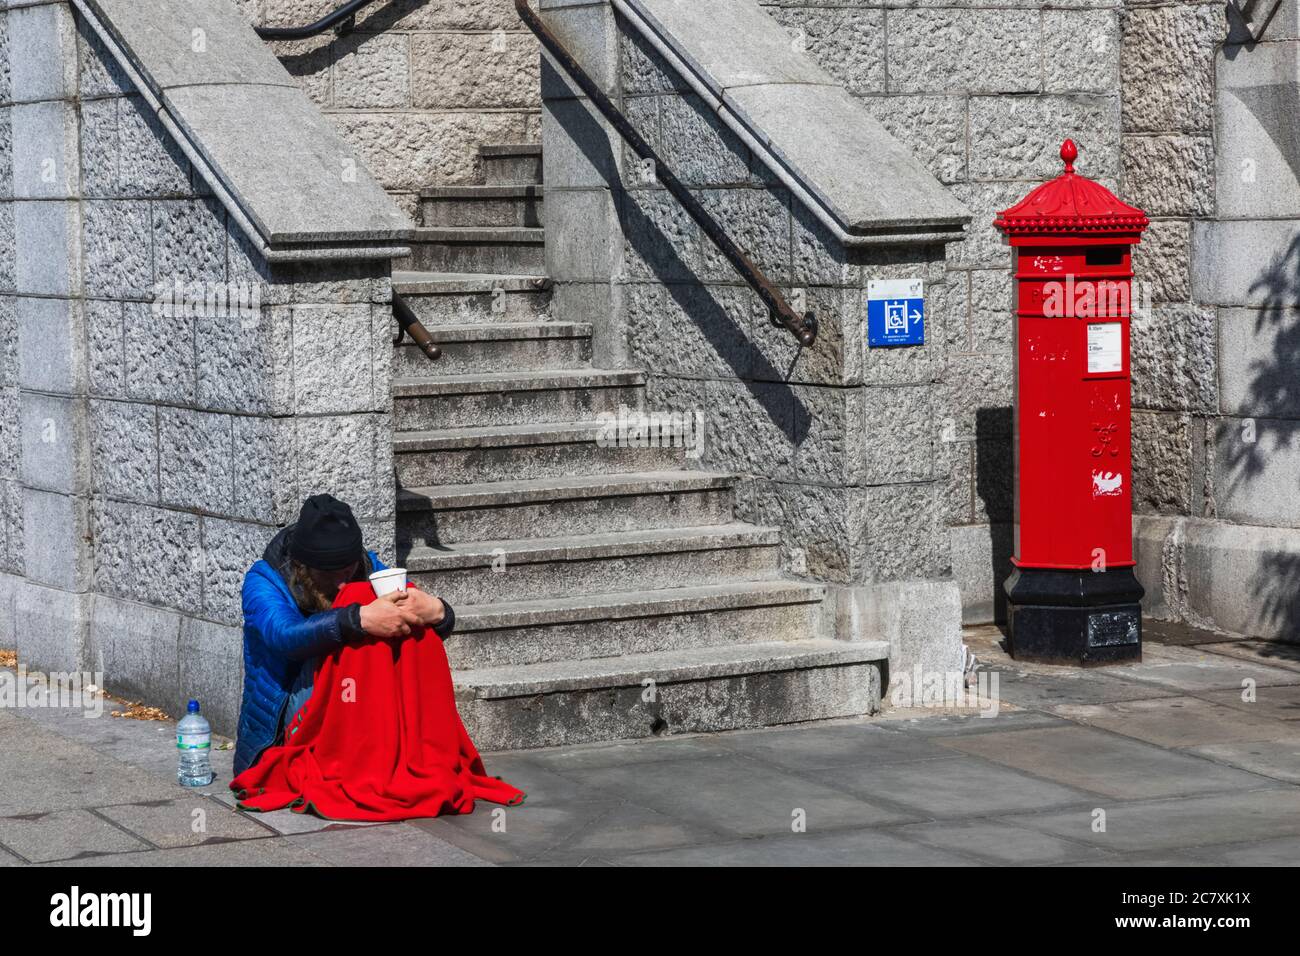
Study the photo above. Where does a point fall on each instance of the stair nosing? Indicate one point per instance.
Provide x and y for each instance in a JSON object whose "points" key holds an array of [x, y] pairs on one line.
{"points": [[463, 332], [559, 488], [473, 383], [496, 436], [481, 235], [622, 605], [485, 191], [468, 555], [710, 662], [416, 282]]}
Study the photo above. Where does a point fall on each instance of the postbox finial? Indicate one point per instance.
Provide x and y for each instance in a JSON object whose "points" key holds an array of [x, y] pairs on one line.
{"points": [[1069, 153]]}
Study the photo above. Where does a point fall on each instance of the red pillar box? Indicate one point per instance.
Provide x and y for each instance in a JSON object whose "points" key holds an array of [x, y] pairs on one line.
{"points": [[1072, 591]]}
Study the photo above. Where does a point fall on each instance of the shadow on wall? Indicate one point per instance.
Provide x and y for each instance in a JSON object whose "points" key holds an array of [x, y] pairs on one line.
{"points": [[319, 57], [994, 488], [765, 382], [1246, 445]]}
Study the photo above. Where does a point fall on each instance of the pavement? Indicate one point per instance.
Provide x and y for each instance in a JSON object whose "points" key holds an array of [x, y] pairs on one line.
{"points": [[1189, 758]]}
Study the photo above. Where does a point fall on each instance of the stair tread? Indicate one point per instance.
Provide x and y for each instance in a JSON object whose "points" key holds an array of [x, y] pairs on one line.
{"points": [[696, 663], [514, 380], [481, 190], [506, 331], [471, 494], [586, 546], [495, 436], [482, 234], [416, 281], [621, 604]]}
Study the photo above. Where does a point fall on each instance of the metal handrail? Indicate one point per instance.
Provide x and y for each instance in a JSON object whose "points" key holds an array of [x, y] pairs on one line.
{"points": [[408, 323], [804, 327], [344, 15]]}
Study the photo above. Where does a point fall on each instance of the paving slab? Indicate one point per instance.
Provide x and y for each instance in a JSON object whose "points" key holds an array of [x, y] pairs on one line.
{"points": [[957, 787], [186, 821], [41, 771], [1270, 653], [1270, 852], [1192, 670], [269, 851], [950, 726], [285, 822], [1001, 844], [389, 844], [1036, 689], [844, 848], [1275, 759], [64, 835], [816, 748], [1280, 703], [1178, 722], [516, 834], [622, 752], [737, 796], [627, 828], [1175, 824], [1100, 762]]}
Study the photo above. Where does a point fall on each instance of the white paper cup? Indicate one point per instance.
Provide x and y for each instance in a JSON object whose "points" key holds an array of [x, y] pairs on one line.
{"points": [[388, 581]]}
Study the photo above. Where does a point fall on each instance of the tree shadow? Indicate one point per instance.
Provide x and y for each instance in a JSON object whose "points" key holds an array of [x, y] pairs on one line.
{"points": [[1273, 398]]}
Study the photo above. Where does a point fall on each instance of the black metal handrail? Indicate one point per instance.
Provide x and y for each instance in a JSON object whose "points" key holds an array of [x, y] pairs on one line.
{"points": [[344, 18], [804, 327]]}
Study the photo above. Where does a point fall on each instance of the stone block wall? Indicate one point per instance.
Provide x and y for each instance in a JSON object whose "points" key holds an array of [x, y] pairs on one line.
{"points": [[984, 96], [154, 443], [837, 444], [419, 85]]}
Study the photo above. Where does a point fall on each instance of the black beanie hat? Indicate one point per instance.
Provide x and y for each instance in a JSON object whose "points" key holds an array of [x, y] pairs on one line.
{"points": [[327, 536]]}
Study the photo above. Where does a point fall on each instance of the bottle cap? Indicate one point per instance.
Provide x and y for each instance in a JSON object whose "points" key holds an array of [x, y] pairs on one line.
{"points": [[194, 707]]}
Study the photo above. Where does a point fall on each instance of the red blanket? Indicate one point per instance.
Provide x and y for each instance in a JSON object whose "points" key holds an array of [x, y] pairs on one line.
{"points": [[378, 739]]}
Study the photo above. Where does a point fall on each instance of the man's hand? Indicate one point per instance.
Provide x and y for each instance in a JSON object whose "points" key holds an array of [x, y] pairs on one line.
{"points": [[389, 616], [429, 608]]}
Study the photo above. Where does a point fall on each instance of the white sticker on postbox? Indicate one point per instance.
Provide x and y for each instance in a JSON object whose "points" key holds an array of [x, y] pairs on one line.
{"points": [[1105, 347]]}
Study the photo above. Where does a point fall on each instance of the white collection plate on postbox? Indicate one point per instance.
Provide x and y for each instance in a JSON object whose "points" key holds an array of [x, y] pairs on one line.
{"points": [[1105, 347]]}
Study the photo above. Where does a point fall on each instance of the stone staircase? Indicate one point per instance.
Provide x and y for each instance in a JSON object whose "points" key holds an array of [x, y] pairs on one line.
{"points": [[601, 592]]}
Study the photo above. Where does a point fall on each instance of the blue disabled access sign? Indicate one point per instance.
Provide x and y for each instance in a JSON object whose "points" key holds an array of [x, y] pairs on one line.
{"points": [[895, 312]]}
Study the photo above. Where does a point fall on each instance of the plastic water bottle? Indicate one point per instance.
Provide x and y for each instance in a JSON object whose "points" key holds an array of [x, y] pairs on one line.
{"points": [[193, 743]]}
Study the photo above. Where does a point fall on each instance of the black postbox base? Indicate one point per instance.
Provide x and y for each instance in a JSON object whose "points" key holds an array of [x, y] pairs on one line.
{"points": [[1083, 618]]}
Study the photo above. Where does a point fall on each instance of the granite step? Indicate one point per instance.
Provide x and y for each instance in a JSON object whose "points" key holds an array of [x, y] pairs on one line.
{"points": [[504, 163], [511, 452], [512, 250], [498, 347], [480, 572], [682, 690], [633, 622], [599, 503], [490, 205], [441, 298], [513, 398]]}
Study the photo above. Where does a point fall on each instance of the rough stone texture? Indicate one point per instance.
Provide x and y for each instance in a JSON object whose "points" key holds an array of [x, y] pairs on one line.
{"points": [[1169, 175], [983, 51], [417, 87], [1173, 358], [933, 127], [1016, 137], [848, 43], [1162, 261], [1162, 462], [146, 454], [1167, 67]]}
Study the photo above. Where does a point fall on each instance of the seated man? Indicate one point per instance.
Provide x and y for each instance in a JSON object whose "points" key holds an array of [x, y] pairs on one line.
{"points": [[289, 623]]}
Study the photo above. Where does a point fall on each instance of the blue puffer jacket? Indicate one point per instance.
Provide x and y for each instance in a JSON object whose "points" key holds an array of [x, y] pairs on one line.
{"points": [[279, 639]]}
